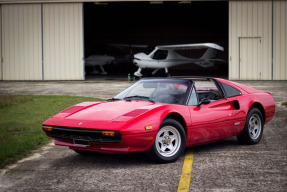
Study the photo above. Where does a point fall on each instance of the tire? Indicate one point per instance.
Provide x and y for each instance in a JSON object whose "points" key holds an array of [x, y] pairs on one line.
{"points": [[85, 153], [169, 143], [253, 128]]}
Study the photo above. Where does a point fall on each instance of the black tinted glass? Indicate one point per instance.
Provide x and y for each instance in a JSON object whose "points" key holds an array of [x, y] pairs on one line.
{"points": [[230, 91]]}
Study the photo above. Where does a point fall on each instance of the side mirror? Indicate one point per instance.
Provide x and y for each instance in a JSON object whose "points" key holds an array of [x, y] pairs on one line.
{"points": [[204, 101]]}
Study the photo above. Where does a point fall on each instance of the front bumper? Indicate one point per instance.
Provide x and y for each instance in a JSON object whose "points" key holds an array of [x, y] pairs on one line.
{"points": [[117, 144], [83, 134]]}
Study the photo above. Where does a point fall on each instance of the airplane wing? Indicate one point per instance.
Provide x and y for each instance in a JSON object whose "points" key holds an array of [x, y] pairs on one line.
{"points": [[218, 60], [190, 46], [129, 45]]}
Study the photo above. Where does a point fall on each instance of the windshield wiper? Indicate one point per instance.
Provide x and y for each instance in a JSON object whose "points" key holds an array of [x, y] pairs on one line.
{"points": [[113, 99], [140, 97]]}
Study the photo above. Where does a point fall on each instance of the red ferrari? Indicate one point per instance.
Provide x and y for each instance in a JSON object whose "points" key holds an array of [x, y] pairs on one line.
{"points": [[163, 116]]}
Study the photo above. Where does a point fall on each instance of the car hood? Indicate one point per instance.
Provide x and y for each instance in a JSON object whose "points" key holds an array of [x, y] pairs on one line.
{"points": [[101, 114], [110, 111]]}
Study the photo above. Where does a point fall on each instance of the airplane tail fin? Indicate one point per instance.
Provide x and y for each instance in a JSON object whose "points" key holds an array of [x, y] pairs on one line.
{"points": [[209, 54], [206, 58]]}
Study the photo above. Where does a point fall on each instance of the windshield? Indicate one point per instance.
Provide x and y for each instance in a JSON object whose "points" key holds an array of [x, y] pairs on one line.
{"points": [[171, 91]]}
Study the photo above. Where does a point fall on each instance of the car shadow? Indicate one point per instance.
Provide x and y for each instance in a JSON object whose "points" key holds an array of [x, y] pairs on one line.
{"points": [[104, 160], [225, 144], [72, 158]]}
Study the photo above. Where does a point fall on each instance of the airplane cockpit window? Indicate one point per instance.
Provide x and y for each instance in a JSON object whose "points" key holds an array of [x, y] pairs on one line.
{"points": [[160, 54], [149, 49]]}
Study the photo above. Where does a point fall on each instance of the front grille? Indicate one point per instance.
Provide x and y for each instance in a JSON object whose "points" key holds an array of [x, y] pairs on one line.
{"points": [[83, 134]]}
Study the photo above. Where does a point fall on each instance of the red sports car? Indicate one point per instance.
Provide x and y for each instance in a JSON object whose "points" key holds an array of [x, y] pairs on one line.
{"points": [[162, 116]]}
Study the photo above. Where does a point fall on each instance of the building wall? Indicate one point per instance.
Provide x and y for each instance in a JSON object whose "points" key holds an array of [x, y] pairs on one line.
{"points": [[250, 26], [21, 42], [1, 42], [280, 40], [73, 1], [63, 41], [27, 55], [61, 46]]}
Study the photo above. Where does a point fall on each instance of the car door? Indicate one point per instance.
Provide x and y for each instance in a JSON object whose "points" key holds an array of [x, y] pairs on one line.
{"points": [[211, 121]]}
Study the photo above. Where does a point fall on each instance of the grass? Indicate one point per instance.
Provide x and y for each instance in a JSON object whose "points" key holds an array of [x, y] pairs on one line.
{"points": [[285, 103], [21, 117]]}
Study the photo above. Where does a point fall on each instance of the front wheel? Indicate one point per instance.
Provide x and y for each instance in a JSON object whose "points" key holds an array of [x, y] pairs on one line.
{"points": [[253, 129], [169, 143]]}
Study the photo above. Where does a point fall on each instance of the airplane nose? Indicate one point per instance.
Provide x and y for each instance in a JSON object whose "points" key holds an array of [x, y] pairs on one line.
{"points": [[135, 61]]}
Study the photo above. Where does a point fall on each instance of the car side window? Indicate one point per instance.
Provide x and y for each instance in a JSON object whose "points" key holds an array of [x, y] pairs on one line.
{"points": [[207, 89], [230, 91], [193, 97]]}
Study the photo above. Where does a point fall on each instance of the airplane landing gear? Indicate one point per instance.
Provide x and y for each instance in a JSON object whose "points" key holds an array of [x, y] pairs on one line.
{"points": [[138, 73]]}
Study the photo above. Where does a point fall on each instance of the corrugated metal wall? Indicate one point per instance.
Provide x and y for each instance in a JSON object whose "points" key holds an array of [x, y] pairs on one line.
{"points": [[21, 42], [63, 41], [250, 19], [1, 42], [280, 40]]}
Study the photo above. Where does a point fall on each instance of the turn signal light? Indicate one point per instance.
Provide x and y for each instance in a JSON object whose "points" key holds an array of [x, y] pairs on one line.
{"points": [[108, 133], [148, 127], [47, 128]]}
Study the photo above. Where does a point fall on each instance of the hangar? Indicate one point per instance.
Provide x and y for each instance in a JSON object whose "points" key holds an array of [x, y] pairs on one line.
{"points": [[50, 39]]}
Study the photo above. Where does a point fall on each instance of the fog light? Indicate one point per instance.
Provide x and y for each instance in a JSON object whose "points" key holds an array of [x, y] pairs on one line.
{"points": [[108, 133], [47, 128]]}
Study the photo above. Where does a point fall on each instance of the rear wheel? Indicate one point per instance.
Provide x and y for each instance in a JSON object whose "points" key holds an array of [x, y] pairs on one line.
{"points": [[253, 129], [169, 143]]}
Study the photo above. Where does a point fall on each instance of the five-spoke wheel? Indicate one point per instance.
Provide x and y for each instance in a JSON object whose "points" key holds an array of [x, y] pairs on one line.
{"points": [[254, 126], [169, 143], [253, 129]]}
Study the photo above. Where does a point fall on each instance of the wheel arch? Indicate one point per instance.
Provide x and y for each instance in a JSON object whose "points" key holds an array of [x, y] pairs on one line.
{"points": [[260, 107], [178, 118]]}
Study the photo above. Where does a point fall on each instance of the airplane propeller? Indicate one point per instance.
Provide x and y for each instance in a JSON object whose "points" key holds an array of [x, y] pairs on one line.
{"points": [[130, 57]]}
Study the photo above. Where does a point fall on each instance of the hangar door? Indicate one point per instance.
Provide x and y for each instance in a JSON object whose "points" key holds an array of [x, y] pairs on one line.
{"points": [[1, 43], [250, 58], [21, 42], [63, 41]]}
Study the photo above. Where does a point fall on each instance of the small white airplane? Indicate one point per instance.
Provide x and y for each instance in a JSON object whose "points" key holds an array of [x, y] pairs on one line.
{"points": [[165, 56], [101, 60], [98, 60]]}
